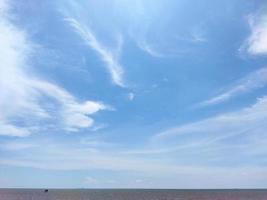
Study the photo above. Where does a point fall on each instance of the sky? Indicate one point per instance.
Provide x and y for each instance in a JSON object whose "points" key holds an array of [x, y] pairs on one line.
{"points": [[133, 94]]}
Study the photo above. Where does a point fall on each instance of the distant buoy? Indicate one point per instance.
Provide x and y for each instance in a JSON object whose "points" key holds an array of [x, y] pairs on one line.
{"points": [[46, 190]]}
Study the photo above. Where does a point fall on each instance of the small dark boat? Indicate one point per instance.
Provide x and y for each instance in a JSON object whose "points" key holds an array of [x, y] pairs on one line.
{"points": [[46, 190]]}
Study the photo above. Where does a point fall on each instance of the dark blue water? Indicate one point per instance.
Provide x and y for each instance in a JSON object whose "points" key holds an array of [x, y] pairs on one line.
{"points": [[131, 194]]}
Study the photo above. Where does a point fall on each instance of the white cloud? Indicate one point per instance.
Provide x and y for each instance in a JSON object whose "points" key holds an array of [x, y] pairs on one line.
{"points": [[255, 80], [257, 42], [150, 50], [12, 130], [107, 55], [74, 114], [25, 100]]}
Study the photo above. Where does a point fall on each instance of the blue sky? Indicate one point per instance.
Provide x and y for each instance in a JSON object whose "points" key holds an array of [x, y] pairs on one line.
{"points": [[133, 93]]}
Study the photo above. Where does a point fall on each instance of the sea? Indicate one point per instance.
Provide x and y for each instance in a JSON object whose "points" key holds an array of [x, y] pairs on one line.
{"points": [[131, 194]]}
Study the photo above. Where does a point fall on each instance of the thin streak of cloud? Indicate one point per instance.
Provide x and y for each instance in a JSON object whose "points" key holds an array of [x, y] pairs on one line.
{"points": [[255, 80], [149, 50], [195, 37], [109, 57], [228, 124], [158, 50]]}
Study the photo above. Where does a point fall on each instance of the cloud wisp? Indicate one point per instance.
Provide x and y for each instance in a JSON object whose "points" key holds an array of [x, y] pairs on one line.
{"points": [[28, 102], [144, 46], [109, 57], [254, 80], [250, 120]]}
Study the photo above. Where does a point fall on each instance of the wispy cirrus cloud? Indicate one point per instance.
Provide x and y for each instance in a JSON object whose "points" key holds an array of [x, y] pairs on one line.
{"points": [[150, 50], [249, 122], [26, 101], [166, 48], [254, 80], [109, 57]]}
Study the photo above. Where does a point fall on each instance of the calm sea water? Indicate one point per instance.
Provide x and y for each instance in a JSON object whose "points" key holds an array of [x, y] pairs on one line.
{"points": [[131, 194]]}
